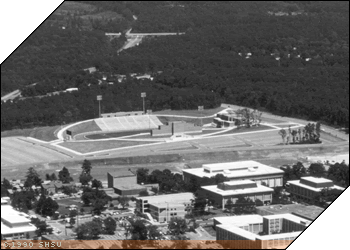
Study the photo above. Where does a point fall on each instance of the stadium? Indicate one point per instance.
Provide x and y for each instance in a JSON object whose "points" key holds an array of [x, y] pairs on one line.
{"points": [[132, 134]]}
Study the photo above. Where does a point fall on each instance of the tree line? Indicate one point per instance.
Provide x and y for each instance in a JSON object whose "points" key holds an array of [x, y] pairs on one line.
{"points": [[289, 65]]}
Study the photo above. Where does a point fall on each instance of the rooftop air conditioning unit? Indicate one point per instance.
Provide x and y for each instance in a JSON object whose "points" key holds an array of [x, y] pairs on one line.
{"points": [[227, 171]]}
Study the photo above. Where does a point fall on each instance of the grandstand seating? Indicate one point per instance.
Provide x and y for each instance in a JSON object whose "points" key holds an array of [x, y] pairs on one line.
{"points": [[128, 123]]}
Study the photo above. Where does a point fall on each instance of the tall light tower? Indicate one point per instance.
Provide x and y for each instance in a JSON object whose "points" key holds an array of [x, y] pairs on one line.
{"points": [[201, 109], [143, 96], [149, 112], [99, 99]]}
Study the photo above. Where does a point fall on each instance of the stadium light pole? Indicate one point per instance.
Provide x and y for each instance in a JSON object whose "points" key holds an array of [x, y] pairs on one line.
{"points": [[99, 99], [143, 96], [200, 109], [149, 112]]}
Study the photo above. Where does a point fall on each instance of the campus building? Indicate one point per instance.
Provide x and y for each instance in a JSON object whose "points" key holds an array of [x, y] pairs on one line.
{"points": [[232, 190], [163, 207], [307, 188], [176, 128], [259, 232], [306, 212], [241, 170], [124, 182], [15, 225]]}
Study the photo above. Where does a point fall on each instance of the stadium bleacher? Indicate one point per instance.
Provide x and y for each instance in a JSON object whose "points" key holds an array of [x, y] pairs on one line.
{"points": [[128, 123]]}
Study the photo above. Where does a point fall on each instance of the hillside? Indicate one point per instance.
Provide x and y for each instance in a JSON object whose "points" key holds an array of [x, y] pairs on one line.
{"points": [[289, 57]]}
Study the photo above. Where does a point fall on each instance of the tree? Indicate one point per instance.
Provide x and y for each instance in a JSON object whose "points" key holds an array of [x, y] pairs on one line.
{"points": [[46, 206], [317, 170], [143, 193], [124, 201], [180, 242], [153, 233], [86, 167], [96, 184], [294, 134], [110, 225], [64, 175], [283, 133], [339, 173], [41, 227], [142, 175], [220, 178], [72, 221], [177, 226], [244, 205], [138, 230], [89, 230], [84, 179], [230, 205], [6, 184], [23, 200], [199, 205], [53, 177], [32, 178]]}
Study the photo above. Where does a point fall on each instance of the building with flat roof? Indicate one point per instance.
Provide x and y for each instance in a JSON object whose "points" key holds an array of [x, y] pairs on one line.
{"points": [[307, 188], [241, 170], [306, 212], [163, 207], [232, 190], [124, 182], [15, 224], [259, 232]]}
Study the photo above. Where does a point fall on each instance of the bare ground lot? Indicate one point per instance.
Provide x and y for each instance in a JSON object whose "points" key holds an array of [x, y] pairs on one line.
{"points": [[275, 157], [17, 150]]}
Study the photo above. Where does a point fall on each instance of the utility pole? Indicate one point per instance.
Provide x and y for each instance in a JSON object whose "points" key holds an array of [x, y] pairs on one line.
{"points": [[99, 99], [143, 96]]}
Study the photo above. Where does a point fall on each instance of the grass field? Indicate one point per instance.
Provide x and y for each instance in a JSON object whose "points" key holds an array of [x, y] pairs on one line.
{"points": [[41, 133], [115, 135], [87, 147]]}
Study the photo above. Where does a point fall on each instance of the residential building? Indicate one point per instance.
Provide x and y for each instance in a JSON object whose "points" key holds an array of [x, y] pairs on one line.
{"points": [[163, 207], [241, 170], [306, 212], [53, 187], [232, 190], [15, 225], [307, 188], [264, 232]]}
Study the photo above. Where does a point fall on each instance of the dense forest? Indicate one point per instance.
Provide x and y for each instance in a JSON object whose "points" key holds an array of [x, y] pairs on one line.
{"points": [[290, 57]]}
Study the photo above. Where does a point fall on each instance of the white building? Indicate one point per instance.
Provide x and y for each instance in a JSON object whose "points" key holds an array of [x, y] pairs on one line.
{"points": [[241, 170], [259, 232], [15, 225], [309, 187], [232, 190]]}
